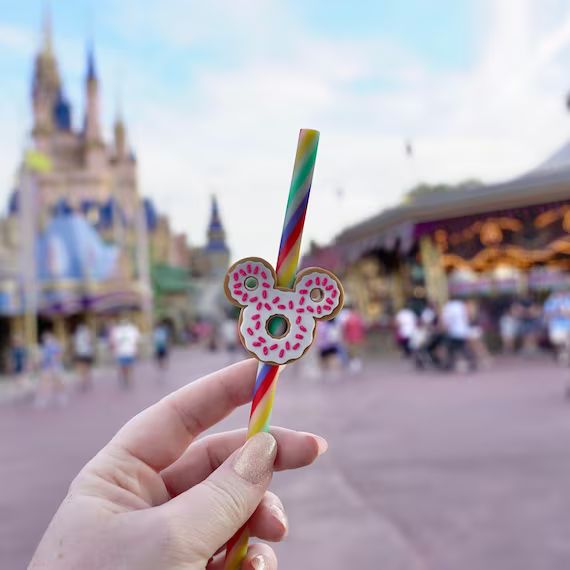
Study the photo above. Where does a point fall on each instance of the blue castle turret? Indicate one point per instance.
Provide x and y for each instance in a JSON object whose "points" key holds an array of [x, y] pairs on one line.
{"points": [[91, 67], [216, 250], [62, 112]]}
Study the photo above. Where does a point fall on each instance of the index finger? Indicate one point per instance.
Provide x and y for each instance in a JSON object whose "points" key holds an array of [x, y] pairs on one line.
{"points": [[160, 434]]}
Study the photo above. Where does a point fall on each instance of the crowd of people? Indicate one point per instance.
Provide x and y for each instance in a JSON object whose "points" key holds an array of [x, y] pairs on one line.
{"points": [[340, 341], [440, 338], [338, 345], [122, 340], [437, 338]]}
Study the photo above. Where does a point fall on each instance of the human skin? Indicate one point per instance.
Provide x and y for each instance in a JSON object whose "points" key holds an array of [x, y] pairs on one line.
{"points": [[156, 498]]}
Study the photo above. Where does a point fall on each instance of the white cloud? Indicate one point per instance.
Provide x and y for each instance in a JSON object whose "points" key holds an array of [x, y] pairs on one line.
{"points": [[492, 121], [16, 39], [232, 127]]}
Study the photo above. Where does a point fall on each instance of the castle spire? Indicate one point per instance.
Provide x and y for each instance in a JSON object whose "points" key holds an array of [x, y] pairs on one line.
{"points": [[215, 222], [120, 132], [91, 67], [92, 128], [217, 251], [47, 36], [216, 232], [46, 85]]}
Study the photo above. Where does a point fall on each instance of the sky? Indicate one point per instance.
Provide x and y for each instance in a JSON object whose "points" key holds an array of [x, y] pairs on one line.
{"points": [[214, 94]]}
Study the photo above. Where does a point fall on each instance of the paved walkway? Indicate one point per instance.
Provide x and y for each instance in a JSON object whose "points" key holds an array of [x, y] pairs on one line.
{"points": [[424, 472]]}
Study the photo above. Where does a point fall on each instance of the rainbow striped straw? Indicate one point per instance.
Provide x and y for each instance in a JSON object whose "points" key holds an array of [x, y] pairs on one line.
{"points": [[287, 261]]}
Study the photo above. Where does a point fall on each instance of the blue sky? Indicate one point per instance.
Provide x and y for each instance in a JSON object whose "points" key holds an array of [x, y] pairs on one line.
{"points": [[214, 94], [449, 41]]}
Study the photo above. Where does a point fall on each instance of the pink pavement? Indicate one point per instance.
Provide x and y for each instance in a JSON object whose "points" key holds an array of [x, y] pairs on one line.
{"points": [[424, 471]]}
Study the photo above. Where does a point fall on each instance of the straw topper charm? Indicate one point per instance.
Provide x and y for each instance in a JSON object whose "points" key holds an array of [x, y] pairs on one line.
{"points": [[278, 325]]}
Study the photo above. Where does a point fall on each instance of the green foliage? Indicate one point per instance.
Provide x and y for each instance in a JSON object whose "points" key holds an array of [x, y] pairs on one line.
{"points": [[423, 189]]}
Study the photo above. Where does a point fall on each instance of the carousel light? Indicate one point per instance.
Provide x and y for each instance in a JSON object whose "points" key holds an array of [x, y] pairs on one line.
{"points": [[546, 218]]}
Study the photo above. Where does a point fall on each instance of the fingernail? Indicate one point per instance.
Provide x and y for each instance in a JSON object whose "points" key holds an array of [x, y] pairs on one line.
{"points": [[254, 462], [322, 444], [258, 562], [279, 514]]}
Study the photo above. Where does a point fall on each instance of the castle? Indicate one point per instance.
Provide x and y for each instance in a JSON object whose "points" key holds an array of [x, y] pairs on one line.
{"points": [[80, 230]]}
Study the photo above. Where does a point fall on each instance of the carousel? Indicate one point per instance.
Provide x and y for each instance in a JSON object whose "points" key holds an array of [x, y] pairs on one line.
{"points": [[489, 243]]}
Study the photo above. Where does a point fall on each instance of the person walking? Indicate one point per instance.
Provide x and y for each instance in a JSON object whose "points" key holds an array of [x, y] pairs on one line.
{"points": [[455, 321], [509, 329], [125, 338], [354, 336], [84, 355], [329, 343], [476, 339], [428, 338], [557, 316], [229, 335], [51, 385], [529, 316], [430, 317], [18, 360], [406, 323], [161, 341]]}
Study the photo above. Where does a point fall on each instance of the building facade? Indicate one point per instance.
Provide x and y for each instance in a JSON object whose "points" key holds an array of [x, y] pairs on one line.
{"points": [[489, 243], [209, 265], [79, 241]]}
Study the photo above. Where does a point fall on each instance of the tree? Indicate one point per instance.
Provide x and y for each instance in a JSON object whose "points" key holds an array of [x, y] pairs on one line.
{"points": [[423, 189]]}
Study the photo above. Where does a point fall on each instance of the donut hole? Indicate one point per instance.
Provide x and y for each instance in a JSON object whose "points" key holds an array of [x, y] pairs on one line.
{"points": [[251, 283], [278, 326], [317, 294]]}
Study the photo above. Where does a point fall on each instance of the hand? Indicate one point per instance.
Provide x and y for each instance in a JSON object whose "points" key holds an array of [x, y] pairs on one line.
{"points": [[156, 499]]}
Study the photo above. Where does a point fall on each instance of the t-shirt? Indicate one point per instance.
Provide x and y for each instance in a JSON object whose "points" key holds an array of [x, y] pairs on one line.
{"points": [[50, 354], [160, 338], [557, 311], [82, 344], [353, 327], [456, 319], [406, 323], [508, 325], [125, 339], [328, 334], [428, 317]]}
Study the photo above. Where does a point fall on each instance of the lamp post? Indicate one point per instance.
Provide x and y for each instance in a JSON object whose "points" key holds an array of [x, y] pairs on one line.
{"points": [[143, 264], [34, 163], [28, 258]]}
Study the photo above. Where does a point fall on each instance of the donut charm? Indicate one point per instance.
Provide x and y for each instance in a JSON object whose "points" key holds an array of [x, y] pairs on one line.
{"points": [[278, 325]]}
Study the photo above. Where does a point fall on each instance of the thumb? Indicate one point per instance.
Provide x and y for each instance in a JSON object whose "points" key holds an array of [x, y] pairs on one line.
{"points": [[206, 516]]}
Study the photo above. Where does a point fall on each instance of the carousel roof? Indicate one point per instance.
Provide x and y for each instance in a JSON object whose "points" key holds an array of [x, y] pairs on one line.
{"points": [[556, 164]]}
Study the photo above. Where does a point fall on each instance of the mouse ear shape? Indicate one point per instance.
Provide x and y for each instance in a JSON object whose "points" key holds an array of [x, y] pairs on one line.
{"points": [[323, 291], [246, 280]]}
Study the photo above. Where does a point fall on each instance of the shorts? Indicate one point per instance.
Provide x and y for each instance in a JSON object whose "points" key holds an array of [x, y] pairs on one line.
{"points": [[330, 351], [161, 353], [126, 361], [529, 326], [84, 359]]}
